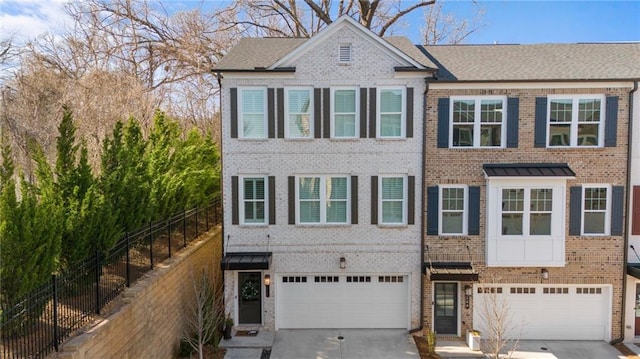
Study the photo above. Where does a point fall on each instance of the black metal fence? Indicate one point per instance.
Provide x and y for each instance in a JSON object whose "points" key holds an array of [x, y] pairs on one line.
{"points": [[57, 310]]}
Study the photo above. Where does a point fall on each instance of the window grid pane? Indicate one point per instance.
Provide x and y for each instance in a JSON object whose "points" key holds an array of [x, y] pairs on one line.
{"points": [[463, 111], [254, 200], [391, 113], [299, 113], [253, 116], [323, 199], [541, 205], [452, 210], [392, 195], [595, 209], [512, 211], [491, 111], [344, 112], [575, 122], [477, 122]]}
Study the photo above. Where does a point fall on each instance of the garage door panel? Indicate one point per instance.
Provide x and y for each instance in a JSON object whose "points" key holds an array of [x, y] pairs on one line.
{"points": [[345, 302], [566, 312]]}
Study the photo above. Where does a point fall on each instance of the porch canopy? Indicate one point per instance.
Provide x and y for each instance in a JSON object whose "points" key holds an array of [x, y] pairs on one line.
{"points": [[246, 260], [528, 170], [457, 271], [633, 269]]}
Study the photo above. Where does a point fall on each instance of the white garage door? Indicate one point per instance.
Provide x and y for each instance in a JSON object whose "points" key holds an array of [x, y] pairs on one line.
{"points": [[560, 312], [339, 301]]}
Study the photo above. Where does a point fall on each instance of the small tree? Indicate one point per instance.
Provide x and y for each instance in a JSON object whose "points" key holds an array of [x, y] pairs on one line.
{"points": [[499, 332], [204, 313]]}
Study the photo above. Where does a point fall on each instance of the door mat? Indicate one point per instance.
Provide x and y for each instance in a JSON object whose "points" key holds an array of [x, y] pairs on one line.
{"points": [[246, 333], [266, 354]]}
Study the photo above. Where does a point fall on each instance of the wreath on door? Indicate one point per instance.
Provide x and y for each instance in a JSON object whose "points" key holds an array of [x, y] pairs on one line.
{"points": [[249, 290]]}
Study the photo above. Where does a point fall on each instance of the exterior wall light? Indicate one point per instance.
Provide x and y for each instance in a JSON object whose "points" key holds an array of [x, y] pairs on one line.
{"points": [[343, 263], [545, 273], [468, 292], [267, 283]]}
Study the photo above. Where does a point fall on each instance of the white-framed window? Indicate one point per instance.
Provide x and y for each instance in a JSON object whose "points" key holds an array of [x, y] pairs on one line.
{"points": [[526, 221], [453, 210], [393, 200], [478, 121], [391, 112], [253, 203], [575, 120], [253, 112], [596, 209], [323, 199], [344, 112], [344, 53], [299, 112], [527, 211]]}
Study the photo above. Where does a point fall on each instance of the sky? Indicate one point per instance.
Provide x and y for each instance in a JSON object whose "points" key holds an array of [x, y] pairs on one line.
{"points": [[506, 21]]}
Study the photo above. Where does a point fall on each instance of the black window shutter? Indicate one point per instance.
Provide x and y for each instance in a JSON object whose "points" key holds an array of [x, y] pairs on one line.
{"points": [[611, 122], [363, 113], [354, 199], [617, 210], [234, 201], [374, 199], [409, 124], [513, 114], [635, 218], [326, 113], [432, 210], [540, 131], [292, 199], [280, 114], [411, 201], [233, 108], [443, 123], [271, 113], [272, 200], [317, 114], [575, 210], [372, 112], [474, 211]]}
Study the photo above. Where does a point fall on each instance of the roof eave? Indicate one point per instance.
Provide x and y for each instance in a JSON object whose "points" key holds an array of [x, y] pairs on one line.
{"points": [[257, 69], [436, 80]]}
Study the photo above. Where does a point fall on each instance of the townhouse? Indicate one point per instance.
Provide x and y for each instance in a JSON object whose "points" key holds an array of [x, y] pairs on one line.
{"points": [[372, 183], [322, 170], [526, 179]]}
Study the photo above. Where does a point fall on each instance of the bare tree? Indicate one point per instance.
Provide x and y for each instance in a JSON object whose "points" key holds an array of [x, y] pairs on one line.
{"points": [[446, 28], [499, 332], [287, 18], [204, 312]]}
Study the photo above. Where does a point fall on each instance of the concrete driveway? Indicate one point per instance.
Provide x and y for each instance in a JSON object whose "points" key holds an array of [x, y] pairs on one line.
{"points": [[537, 349], [343, 344]]}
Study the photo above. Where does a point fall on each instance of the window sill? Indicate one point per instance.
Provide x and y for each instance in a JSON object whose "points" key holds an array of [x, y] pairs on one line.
{"points": [[393, 226], [323, 225], [256, 226]]}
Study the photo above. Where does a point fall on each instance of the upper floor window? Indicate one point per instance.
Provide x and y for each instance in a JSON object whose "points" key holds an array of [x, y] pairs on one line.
{"points": [[596, 208], [527, 211], [323, 199], [253, 200], [345, 113], [393, 200], [253, 112], [299, 113], [391, 112], [478, 122], [575, 121], [453, 210]]}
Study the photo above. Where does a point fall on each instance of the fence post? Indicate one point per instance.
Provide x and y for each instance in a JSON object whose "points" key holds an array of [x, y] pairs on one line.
{"points": [[184, 227], [197, 209], [97, 263], [169, 233], [151, 245], [56, 338], [126, 235]]}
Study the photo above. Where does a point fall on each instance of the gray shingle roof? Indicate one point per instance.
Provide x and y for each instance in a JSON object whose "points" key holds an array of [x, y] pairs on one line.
{"points": [[536, 62], [251, 53]]}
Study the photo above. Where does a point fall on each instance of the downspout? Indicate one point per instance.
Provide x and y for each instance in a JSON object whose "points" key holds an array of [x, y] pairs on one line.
{"points": [[626, 216], [219, 78], [422, 204]]}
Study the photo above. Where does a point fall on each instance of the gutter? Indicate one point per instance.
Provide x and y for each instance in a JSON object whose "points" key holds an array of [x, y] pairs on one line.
{"points": [[219, 78], [626, 216]]}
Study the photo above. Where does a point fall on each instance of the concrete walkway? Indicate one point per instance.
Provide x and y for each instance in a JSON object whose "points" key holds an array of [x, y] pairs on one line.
{"points": [[248, 347]]}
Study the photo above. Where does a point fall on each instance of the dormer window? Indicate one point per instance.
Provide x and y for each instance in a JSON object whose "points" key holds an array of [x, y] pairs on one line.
{"points": [[344, 54]]}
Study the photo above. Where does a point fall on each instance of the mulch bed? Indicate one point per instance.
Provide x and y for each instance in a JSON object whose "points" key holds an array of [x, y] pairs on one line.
{"points": [[421, 344]]}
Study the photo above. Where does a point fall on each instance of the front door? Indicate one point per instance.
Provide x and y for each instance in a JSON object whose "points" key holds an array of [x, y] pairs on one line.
{"points": [[446, 308], [249, 298]]}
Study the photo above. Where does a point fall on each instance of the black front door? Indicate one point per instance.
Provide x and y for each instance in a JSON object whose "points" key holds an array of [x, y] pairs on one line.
{"points": [[446, 308], [249, 298]]}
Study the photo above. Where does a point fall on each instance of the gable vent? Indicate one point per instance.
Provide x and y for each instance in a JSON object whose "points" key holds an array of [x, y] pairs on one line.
{"points": [[344, 54]]}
